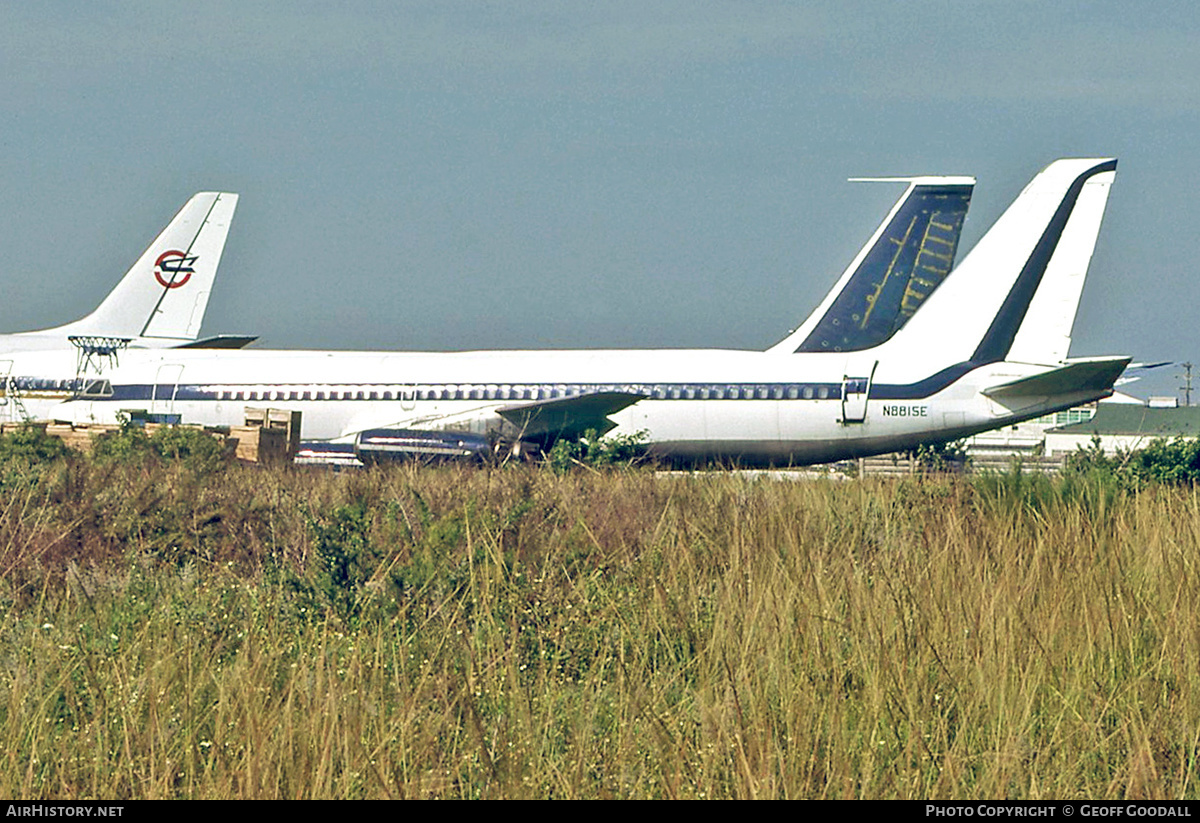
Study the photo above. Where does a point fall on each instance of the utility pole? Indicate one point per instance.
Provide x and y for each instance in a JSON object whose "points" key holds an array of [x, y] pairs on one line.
{"points": [[1187, 384]]}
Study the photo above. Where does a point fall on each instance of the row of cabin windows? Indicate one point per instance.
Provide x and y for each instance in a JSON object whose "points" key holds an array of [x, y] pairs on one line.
{"points": [[673, 391], [546, 392]]}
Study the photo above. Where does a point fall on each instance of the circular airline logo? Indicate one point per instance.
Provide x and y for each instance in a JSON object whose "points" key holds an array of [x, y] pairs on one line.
{"points": [[173, 268]]}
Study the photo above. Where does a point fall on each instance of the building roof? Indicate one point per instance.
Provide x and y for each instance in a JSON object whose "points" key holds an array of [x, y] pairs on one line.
{"points": [[1119, 418]]}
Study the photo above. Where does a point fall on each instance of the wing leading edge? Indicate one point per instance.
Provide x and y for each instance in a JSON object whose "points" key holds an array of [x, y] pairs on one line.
{"points": [[546, 420]]}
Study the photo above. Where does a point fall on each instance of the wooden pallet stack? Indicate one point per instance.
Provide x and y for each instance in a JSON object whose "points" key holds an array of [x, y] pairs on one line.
{"points": [[268, 436], [82, 437]]}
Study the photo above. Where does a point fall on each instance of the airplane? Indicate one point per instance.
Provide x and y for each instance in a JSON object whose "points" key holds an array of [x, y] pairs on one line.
{"points": [[987, 348], [161, 300], [903, 261]]}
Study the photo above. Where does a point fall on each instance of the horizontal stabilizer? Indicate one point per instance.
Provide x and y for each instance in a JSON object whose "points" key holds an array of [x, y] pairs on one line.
{"points": [[567, 416], [220, 341], [1085, 376]]}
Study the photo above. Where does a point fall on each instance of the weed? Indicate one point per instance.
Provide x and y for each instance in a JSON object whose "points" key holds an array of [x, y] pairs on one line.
{"points": [[451, 632], [595, 451]]}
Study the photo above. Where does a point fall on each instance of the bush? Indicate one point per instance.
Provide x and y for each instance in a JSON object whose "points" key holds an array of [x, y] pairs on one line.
{"points": [[597, 452], [127, 446], [940, 457], [1168, 461], [194, 448], [30, 445]]}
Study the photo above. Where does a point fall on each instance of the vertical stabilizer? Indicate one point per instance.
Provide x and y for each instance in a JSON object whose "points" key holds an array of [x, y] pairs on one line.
{"points": [[1040, 246], [1045, 334], [902, 264], [165, 294]]}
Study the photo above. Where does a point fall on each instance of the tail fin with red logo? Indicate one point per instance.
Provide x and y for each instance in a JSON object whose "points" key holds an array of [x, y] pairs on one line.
{"points": [[162, 299]]}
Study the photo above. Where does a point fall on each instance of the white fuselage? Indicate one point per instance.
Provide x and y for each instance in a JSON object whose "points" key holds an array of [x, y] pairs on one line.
{"points": [[750, 406]]}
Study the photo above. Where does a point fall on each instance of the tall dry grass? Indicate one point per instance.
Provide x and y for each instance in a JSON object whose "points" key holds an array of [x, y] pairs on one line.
{"points": [[517, 633]]}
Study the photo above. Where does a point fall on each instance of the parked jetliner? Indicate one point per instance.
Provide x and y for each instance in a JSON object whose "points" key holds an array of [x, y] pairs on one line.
{"points": [[987, 349], [160, 302]]}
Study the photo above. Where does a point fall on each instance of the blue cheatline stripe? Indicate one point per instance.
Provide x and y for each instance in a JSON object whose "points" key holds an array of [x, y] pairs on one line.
{"points": [[502, 392], [922, 388], [998, 339], [505, 392]]}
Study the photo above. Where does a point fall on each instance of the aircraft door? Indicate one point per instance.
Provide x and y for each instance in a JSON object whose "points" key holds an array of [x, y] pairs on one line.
{"points": [[166, 385], [856, 390]]}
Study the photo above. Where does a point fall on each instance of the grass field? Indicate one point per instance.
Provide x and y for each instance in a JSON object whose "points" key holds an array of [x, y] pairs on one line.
{"points": [[197, 631]]}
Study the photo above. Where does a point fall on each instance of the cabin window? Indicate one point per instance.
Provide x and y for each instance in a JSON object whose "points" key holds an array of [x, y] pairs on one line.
{"points": [[823, 393]]}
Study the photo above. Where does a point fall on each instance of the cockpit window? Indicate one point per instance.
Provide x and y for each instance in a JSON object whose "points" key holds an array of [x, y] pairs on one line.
{"points": [[97, 388]]}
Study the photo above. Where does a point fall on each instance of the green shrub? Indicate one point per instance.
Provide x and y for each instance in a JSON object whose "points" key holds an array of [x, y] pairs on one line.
{"points": [[26, 454], [596, 451], [195, 448], [128, 446], [346, 560], [30, 445], [1168, 461], [940, 457]]}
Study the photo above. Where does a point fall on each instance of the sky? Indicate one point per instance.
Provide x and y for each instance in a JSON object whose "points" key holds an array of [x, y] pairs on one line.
{"points": [[462, 175]]}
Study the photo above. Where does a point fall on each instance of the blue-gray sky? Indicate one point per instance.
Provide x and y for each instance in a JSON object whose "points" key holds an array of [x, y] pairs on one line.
{"points": [[450, 175]]}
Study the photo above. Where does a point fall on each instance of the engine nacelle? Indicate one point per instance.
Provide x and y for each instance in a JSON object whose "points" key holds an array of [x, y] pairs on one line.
{"points": [[386, 445]]}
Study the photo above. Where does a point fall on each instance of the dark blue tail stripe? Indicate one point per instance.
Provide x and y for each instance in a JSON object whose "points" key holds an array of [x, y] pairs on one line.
{"points": [[996, 343]]}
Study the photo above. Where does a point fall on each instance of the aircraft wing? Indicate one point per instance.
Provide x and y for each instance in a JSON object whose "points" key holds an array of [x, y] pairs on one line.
{"points": [[567, 416]]}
